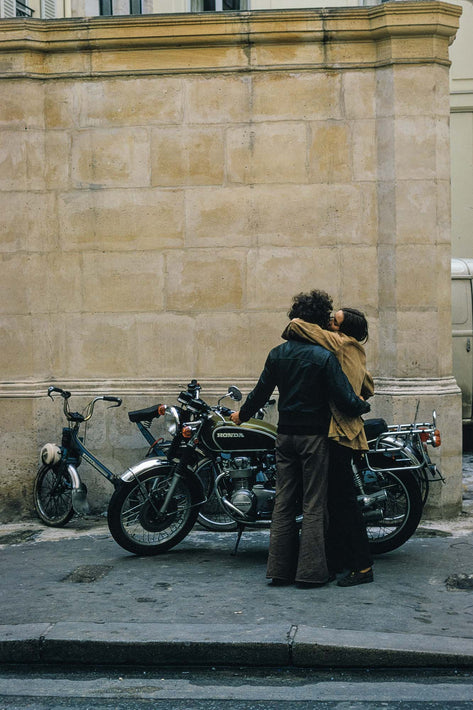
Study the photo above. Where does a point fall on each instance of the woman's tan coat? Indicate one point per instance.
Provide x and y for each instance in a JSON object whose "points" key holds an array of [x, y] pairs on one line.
{"points": [[347, 431]]}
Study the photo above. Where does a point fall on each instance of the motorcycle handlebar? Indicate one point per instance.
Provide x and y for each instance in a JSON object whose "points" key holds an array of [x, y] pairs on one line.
{"points": [[185, 397], [193, 403]]}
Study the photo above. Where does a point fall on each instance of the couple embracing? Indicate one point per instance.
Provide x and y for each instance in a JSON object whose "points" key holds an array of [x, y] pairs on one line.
{"points": [[320, 372]]}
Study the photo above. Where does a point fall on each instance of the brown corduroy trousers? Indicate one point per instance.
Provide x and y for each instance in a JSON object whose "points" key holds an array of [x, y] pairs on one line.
{"points": [[302, 465]]}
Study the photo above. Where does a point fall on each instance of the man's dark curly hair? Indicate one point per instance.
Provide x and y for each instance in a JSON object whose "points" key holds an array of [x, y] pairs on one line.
{"points": [[313, 307]]}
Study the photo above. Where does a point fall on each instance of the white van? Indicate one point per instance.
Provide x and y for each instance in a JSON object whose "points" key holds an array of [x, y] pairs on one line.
{"points": [[462, 332]]}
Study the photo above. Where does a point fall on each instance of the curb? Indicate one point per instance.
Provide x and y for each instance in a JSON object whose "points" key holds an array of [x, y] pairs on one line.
{"points": [[116, 644]]}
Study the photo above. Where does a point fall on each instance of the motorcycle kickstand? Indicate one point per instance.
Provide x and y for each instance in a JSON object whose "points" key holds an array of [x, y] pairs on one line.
{"points": [[240, 533]]}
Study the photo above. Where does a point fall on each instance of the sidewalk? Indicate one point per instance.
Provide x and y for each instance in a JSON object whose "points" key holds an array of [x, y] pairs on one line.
{"points": [[73, 595]]}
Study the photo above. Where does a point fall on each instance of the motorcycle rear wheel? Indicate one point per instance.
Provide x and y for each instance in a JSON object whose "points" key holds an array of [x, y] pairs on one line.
{"points": [[402, 511], [211, 514], [134, 519], [52, 494]]}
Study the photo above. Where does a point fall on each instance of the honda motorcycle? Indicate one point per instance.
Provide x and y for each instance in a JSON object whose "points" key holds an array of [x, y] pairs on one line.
{"points": [[158, 501]]}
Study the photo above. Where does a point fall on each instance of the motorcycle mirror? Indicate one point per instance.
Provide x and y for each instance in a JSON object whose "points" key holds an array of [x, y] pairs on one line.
{"points": [[235, 393], [434, 419]]}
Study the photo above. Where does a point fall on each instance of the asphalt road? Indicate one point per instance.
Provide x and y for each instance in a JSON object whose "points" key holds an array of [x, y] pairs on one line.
{"points": [[234, 689]]}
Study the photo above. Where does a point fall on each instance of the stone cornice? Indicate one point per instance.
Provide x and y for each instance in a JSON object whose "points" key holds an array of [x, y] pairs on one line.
{"points": [[168, 388], [159, 389], [409, 386], [382, 34]]}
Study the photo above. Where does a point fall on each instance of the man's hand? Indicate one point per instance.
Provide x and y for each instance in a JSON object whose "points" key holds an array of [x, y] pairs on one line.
{"points": [[235, 417]]}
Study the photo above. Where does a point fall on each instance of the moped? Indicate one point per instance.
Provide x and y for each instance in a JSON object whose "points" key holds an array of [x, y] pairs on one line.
{"points": [[58, 489]]}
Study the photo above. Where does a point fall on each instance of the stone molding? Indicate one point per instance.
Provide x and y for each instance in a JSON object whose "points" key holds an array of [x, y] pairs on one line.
{"points": [[328, 37], [411, 386], [170, 387], [167, 388]]}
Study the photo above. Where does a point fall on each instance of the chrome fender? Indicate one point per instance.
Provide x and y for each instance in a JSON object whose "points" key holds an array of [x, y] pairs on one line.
{"points": [[141, 467], [76, 482], [133, 472], [78, 493]]}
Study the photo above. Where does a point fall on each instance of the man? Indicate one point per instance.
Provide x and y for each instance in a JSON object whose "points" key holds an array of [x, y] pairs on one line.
{"points": [[306, 376]]}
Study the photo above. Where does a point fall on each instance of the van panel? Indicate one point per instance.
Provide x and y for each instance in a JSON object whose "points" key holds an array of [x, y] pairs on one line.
{"points": [[462, 331]]}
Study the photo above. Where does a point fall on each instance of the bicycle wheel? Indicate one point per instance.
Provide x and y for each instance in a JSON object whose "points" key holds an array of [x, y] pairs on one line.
{"points": [[52, 495], [134, 516], [211, 514]]}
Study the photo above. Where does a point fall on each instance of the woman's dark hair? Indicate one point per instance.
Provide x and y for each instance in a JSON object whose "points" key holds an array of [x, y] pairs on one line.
{"points": [[313, 307], [354, 324]]}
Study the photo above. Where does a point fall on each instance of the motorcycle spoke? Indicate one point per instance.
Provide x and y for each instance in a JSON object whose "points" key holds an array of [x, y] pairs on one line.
{"points": [[152, 494], [395, 510], [399, 513]]}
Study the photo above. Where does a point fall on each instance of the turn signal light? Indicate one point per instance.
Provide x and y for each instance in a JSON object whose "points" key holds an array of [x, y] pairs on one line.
{"points": [[186, 432], [436, 439], [161, 409]]}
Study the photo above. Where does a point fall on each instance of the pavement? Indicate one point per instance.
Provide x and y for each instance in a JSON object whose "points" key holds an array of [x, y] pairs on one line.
{"points": [[73, 596]]}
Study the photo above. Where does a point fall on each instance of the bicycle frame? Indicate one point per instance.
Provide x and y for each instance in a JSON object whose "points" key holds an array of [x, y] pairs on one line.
{"points": [[73, 449], [155, 445]]}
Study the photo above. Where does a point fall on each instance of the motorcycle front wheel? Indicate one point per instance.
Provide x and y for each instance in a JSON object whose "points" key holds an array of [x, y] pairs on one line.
{"points": [[52, 494], [401, 510], [134, 516], [211, 514]]}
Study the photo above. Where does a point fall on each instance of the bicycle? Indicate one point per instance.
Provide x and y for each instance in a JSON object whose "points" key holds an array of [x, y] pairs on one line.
{"points": [[58, 490]]}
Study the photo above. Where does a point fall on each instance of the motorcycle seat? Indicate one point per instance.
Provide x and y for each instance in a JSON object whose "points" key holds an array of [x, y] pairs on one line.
{"points": [[375, 427], [144, 415]]}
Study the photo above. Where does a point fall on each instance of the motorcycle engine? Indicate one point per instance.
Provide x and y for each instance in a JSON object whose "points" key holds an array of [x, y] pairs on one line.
{"points": [[242, 497], [252, 485]]}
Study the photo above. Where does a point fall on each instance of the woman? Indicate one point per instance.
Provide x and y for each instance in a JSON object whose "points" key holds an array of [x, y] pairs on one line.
{"points": [[347, 541]]}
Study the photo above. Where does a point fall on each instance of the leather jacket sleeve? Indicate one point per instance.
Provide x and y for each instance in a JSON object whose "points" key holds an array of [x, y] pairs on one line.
{"points": [[260, 394]]}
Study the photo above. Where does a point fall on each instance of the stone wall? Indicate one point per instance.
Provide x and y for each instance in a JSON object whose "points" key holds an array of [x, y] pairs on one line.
{"points": [[168, 183]]}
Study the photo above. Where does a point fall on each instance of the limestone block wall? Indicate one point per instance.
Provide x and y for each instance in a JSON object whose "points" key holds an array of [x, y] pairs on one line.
{"points": [[167, 184]]}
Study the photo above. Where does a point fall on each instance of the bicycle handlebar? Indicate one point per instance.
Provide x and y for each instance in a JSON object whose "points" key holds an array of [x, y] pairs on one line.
{"points": [[88, 411], [106, 398], [63, 393]]}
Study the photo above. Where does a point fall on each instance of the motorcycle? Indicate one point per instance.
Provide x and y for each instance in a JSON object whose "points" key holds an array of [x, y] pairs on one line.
{"points": [[211, 514], [157, 502]]}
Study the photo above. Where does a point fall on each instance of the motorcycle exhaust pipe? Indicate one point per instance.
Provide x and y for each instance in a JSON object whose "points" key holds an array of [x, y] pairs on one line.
{"points": [[233, 510], [373, 498], [373, 516]]}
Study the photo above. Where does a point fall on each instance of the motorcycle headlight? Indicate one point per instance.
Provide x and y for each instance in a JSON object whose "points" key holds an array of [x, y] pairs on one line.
{"points": [[171, 420]]}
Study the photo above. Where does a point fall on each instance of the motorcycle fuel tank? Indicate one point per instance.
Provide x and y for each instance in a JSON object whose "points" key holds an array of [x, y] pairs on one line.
{"points": [[254, 435]]}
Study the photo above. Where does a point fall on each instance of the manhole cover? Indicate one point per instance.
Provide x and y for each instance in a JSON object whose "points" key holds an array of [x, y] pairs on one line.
{"points": [[87, 574], [459, 581]]}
